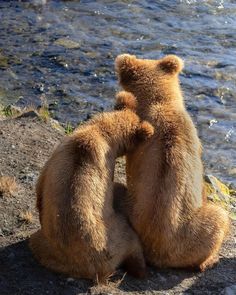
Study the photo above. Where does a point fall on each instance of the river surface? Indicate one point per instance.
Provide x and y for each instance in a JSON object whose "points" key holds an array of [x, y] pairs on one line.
{"points": [[62, 53]]}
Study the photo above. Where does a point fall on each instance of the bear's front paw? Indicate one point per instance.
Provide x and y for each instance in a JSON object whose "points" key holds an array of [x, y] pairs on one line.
{"points": [[125, 100], [146, 130]]}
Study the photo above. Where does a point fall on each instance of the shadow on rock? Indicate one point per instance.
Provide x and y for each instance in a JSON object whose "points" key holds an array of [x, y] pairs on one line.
{"points": [[215, 280], [21, 274], [157, 280]]}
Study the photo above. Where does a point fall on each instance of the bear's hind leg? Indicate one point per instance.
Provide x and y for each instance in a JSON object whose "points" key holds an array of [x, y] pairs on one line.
{"points": [[48, 257], [121, 201], [130, 254], [135, 265], [198, 242], [209, 262]]}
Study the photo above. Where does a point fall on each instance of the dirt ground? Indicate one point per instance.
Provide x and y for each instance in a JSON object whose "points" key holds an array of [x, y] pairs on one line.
{"points": [[25, 144]]}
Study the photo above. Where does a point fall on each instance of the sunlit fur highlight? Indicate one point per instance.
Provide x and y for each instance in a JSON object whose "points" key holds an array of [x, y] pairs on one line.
{"points": [[168, 209], [81, 235]]}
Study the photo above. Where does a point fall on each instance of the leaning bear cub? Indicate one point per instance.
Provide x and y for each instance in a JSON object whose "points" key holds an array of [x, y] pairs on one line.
{"points": [[81, 234], [177, 226]]}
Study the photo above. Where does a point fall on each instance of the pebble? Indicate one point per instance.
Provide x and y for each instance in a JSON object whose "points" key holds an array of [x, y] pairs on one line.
{"points": [[69, 280], [11, 256], [232, 171], [174, 278], [67, 43], [231, 290], [161, 278]]}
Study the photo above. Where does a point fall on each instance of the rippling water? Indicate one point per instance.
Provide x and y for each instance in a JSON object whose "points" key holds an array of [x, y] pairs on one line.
{"points": [[39, 62]]}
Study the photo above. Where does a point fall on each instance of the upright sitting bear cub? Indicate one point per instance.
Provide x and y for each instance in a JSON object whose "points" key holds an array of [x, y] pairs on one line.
{"points": [[177, 226], [81, 234]]}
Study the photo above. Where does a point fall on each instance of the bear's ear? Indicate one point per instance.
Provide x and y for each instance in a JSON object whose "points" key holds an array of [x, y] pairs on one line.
{"points": [[171, 64], [145, 130], [125, 100], [124, 61]]}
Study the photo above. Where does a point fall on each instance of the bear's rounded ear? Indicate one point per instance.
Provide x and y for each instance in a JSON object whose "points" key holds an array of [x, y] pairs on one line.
{"points": [[171, 64], [124, 61]]}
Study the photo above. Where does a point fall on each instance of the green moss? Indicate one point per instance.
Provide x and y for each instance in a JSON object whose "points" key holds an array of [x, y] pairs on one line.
{"points": [[219, 193], [69, 128], [9, 111], [44, 113]]}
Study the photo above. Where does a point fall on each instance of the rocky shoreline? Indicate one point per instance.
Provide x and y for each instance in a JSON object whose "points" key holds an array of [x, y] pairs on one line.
{"points": [[26, 141]]}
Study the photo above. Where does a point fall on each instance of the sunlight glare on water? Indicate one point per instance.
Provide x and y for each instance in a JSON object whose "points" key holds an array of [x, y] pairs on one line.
{"points": [[64, 51]]}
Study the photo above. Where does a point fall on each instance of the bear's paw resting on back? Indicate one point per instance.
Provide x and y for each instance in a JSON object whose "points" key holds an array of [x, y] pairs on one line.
{"points": [[177, 226], [81, 234]]}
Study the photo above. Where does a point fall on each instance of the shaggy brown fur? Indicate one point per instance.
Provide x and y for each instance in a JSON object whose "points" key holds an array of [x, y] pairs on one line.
{"points": [[165, 174], [81, 235]]}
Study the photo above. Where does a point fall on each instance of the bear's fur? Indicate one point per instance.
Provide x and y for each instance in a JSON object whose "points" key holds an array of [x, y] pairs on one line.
{"points": [[81, 235], [176, 225]]}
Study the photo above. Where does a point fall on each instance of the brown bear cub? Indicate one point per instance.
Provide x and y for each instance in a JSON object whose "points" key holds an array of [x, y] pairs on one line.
{"points": [[81, 235], [177, 227]]}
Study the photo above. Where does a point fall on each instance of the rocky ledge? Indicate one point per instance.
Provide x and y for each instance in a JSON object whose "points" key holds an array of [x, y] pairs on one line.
{"points": [[26, 141]]}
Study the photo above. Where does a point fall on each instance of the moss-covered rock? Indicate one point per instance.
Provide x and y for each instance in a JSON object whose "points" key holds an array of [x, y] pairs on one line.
{"points": [[218, 192], [9, 111], [3, 61], [67, 43]]}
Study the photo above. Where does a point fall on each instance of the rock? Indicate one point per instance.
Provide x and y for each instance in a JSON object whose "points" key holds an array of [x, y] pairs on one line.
{"points": [[69, 280], [56, 125], [218, 192], [29, 114], [34, 141], [3, 61], [11, 256], [31, 177], [39, 2], [15, 110], [67, 43], [10, 111], [232, 214], [232, 171], [92, 54], [231, 290], [161, 278], [61, 61]]}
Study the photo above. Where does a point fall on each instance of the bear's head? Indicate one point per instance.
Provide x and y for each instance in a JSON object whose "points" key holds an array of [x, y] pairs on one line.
{"points": [[131, 131], [150, 80]]}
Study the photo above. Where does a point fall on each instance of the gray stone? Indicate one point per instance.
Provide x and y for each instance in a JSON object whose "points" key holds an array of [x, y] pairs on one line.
{"points": [[231, 290]]}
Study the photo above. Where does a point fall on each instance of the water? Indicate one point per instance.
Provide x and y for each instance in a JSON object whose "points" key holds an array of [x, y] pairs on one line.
{"points": [[36, 64]]}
